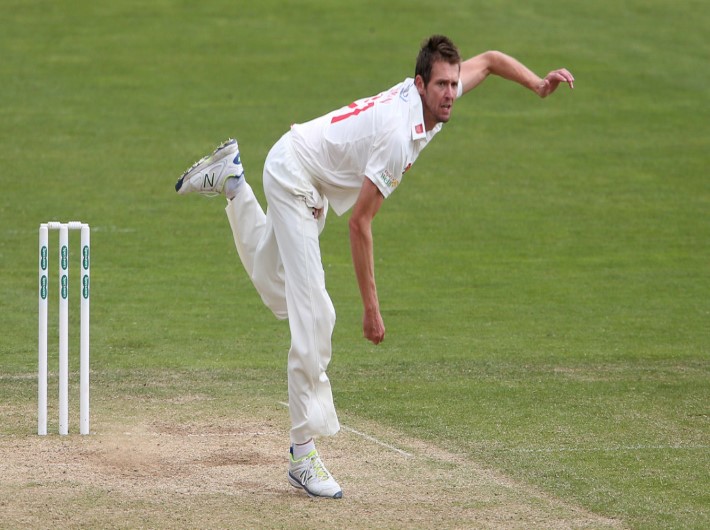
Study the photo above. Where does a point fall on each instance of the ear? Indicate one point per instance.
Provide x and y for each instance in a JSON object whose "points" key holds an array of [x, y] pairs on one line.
{"points": [[419, 83]]}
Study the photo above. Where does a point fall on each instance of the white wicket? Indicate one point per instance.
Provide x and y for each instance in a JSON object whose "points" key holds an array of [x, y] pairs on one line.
{"points": [[63, 229]]}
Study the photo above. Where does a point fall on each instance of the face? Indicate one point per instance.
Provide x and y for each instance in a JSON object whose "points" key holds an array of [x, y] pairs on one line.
{"points": [[439, 95]]}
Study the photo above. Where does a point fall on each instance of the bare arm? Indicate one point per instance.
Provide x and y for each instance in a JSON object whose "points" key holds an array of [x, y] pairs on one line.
{"points": [[361, 245], [475, 70]]}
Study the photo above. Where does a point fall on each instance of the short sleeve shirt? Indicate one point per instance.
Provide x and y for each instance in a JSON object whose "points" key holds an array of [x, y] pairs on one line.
{"points": [[378, 138]]}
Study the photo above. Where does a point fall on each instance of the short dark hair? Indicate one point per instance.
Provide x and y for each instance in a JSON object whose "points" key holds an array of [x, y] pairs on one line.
{"points": [[435, 48]]}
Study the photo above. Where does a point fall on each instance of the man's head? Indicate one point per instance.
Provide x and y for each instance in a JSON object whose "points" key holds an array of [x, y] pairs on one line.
{"points": [[435, 48], [436, 78]]}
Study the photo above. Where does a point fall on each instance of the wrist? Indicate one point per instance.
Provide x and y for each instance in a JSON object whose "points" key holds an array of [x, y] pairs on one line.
{"points": [[537, 85], [372, 308]]}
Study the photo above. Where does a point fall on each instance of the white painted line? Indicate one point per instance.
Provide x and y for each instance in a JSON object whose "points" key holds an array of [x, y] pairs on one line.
{"points": [[193, 435], [368, 438], [611, 449], [376, 441]]}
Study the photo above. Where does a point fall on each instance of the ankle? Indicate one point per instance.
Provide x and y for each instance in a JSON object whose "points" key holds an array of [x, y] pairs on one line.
{"points": [[232, 186], [301, 450]]}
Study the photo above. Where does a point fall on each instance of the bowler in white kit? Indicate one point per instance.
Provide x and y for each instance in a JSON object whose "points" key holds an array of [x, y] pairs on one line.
{"points": [[350, 159]]}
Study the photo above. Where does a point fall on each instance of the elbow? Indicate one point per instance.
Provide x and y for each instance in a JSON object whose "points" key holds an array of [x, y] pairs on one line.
{"points": [[493, 58], [359, 227], [355, 226]]}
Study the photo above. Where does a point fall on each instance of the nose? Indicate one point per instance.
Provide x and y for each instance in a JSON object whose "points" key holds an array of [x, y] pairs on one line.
{"points": [[451, 91]]}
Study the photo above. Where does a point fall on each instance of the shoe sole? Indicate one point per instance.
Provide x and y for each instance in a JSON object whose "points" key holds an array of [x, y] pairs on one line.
{"points": [[296, 484], [227, 148]]}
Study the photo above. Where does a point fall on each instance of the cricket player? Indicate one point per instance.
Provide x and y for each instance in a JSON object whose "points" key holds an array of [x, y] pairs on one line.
{"points": [[352, 158]]}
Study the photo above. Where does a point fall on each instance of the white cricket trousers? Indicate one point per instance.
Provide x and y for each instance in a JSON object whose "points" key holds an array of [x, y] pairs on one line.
{"points": [[280, 251]]}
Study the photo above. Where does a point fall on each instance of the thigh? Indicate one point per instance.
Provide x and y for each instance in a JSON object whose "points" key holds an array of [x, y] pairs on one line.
{"points": [[297, 233], [291, 201]]}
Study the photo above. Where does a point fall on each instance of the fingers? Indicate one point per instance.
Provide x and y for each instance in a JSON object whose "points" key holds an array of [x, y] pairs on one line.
{"points": [[553, 80], [375, 336], [374, 329], [376, 340], [561, 76]]}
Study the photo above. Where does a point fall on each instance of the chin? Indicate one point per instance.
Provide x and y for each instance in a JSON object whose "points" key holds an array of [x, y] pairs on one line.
{"points": [[444, 117]]}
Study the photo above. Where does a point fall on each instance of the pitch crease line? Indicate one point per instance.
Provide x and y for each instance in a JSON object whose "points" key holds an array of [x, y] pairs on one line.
{"points": [[368, 438], [191, 435], [611, 449]]}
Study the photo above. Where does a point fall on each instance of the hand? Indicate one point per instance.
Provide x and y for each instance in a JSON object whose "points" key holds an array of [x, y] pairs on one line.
{"points": [[373, 327], [317, 212], [553, 80]]}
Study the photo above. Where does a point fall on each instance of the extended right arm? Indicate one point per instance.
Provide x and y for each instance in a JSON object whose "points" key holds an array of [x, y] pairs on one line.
{"points": [[475, 70]]}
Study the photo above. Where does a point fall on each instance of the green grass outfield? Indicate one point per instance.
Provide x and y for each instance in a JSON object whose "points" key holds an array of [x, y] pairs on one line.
{"points": [[544, 271]]}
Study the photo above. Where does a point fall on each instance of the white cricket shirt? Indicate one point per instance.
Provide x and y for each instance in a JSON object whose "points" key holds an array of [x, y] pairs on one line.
{"points": [[378, 137]]}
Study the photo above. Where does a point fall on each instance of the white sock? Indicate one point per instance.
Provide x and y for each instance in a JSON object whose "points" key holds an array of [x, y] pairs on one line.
{"points": [[231, 187], [301, 450]]}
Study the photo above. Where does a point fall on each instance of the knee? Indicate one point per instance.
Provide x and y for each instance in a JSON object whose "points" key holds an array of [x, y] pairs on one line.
{"points": [[272, 294]]}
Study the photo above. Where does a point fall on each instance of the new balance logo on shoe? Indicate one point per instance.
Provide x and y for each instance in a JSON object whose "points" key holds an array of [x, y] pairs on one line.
{"points": [[208, 175]]}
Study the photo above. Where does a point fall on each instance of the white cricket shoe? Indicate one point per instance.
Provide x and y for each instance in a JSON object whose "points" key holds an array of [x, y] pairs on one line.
{"points": [[208, 175], [309, 474]]}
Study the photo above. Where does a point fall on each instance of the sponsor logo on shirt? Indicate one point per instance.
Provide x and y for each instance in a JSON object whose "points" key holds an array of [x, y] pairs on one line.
{"points": [[389, 180]]}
